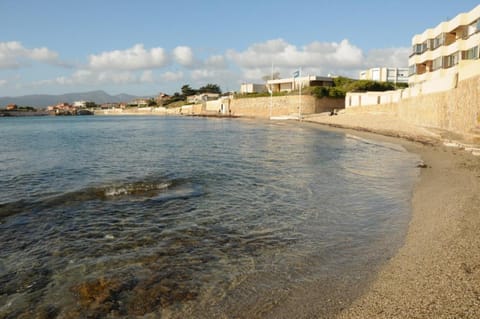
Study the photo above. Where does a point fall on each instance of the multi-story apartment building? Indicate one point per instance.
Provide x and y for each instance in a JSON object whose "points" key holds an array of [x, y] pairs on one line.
{"points": [[394, 75], [446, 54]]}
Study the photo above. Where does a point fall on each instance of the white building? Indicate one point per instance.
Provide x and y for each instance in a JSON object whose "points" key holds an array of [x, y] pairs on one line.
{"points": [[252, 88], [80, 104], [393, 75], [202, 97], [440, 58], [290, 84], [447, 53]]}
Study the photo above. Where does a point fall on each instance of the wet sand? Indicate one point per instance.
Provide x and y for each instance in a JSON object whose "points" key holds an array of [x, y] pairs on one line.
{"points": [[436, 273]]}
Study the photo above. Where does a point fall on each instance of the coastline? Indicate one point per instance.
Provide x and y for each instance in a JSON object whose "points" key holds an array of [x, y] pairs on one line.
{"points": [[436, 273]]}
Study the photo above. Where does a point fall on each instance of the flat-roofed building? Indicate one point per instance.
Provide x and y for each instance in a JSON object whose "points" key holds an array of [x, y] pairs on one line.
{"points": [[393, 75], [447, 53], [290, 84], [252, 88], [80, 104], [202, 97]]}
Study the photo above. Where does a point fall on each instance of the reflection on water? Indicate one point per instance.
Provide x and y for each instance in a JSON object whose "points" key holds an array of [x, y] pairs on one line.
{"points": [[192, 218]]}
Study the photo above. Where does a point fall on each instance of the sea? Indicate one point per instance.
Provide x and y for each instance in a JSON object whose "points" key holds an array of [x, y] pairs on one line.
{"points": [[183, 217]]}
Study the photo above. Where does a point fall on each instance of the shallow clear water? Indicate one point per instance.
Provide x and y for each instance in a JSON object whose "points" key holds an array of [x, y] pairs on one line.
{"points": [[192, 218]]}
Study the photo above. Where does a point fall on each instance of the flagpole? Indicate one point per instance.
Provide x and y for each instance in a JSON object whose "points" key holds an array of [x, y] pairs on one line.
{"points": [[271, 93], [300, 96]]}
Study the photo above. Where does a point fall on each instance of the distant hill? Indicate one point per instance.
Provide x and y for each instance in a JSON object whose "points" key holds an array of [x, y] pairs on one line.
{"points": [[43, 100]]}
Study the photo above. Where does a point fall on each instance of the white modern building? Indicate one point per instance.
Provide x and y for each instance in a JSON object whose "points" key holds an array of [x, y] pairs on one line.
{"points": [[80, 104], [290, 84], [441, 57], [447, 53], [202, 97], [252, 88], [383, 74]]}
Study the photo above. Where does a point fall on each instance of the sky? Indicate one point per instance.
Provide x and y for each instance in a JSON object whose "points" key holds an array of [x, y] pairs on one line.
{"points": [[146, 47]]}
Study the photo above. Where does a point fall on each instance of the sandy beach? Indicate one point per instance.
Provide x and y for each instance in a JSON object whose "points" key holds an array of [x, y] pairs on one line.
{"points": [[436, 273]]}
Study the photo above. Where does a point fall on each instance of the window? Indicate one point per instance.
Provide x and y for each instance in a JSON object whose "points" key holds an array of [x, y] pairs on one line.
{"points": [[402, 73], [451, 60], [472, 28], [438, 41], [455, 58], [430, 44], [412, 70], [424, 46], [437, 64], [470, 54], [417, 48]]}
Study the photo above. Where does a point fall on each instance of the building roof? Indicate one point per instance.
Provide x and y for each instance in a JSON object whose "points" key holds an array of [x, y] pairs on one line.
{"points": [[302, 78]]}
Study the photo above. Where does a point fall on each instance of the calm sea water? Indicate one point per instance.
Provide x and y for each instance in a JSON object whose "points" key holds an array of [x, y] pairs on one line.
{"points": [[164, 217]]}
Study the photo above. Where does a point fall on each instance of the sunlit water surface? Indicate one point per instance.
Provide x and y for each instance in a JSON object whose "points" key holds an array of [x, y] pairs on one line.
{"points": [[164, 217]]}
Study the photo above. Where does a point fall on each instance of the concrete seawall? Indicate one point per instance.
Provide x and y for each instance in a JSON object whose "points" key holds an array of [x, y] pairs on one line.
{"points": [[259, 107], [456, 110], [263, 107]]}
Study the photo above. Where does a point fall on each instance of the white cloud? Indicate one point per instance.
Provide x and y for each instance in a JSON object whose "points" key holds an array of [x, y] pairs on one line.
{"points": [[390, 57], [283, 54], [115, 77], [201, 74], [216, 62], [134, 58], [319, 58], [258, 55], [42, 54], [138, 65], [3, 82], [147, 77], [184, 56], [14, 55], [172, 76], [93, 77]]}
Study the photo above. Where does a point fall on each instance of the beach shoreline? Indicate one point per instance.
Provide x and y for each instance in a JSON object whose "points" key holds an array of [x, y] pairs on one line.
{"points": [[436, 273]]}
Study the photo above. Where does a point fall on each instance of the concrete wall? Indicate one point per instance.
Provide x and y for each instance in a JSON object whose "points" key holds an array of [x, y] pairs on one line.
{"points": [[283, 105], [456, 110], [248, 107], [448, 82]]}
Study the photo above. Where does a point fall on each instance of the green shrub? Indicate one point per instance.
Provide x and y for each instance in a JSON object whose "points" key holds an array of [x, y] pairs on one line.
{"points": [[367, 85]]}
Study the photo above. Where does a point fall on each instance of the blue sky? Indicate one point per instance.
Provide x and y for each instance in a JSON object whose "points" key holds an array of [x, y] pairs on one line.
{"points": [[145, 47]]}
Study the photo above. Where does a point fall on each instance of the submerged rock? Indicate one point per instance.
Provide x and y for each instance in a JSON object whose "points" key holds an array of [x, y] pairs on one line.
{"points": [[98, 296]]}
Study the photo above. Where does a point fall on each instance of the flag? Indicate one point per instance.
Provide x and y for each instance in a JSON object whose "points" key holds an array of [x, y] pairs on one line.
{"points": [[296, 74]]}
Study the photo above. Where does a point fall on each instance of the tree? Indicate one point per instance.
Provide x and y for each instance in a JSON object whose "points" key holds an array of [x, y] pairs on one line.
{"points": [[210, 88], [91, 105], [369, 85], [342, 85], [27, 108], [187, 90], [152, 102], [320, 92]]}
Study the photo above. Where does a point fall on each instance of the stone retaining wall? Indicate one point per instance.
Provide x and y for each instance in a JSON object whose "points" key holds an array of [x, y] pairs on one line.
{"points": [[456, 110], [283, 105]]}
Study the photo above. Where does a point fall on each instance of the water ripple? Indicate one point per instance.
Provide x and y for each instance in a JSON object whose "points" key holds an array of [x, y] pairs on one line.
{"points": [[175, 217]]}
